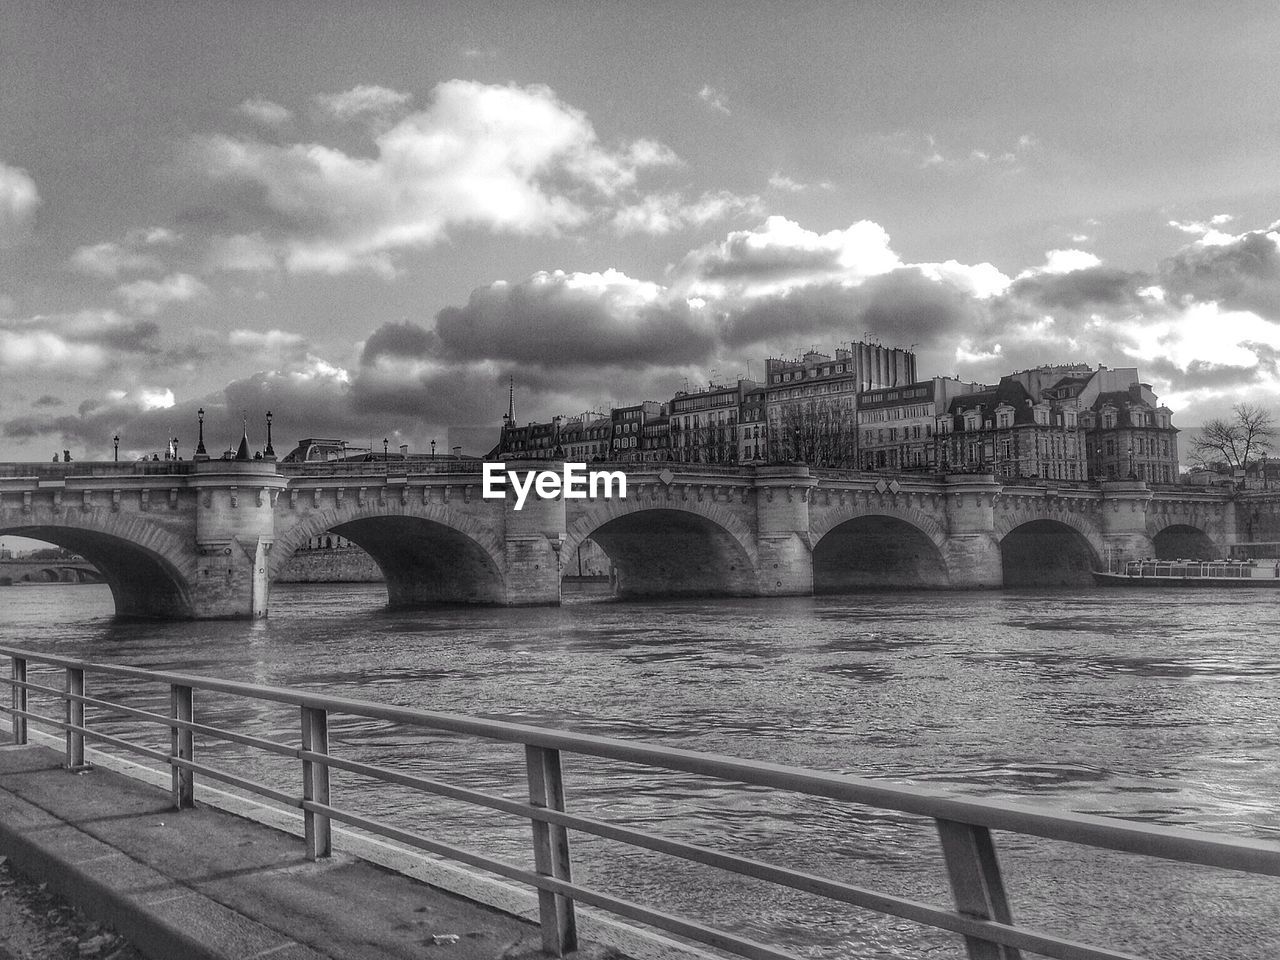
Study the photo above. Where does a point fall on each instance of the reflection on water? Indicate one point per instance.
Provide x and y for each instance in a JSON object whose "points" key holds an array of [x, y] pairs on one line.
{"points": [[1155, 707]]}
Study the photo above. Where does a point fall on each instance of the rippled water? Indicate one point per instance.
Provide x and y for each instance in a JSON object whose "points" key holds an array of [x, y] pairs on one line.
{"points": [[1152, 706]]}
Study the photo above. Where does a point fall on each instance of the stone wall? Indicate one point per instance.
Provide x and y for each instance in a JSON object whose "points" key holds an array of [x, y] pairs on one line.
{"points": [[338, 565]]}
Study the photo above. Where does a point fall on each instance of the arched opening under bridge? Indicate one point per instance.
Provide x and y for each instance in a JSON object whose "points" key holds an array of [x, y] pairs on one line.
{"points": [[877, 553], [143, 582], [1047, 553], [425, 562], [672, 553], [1184, 542]]}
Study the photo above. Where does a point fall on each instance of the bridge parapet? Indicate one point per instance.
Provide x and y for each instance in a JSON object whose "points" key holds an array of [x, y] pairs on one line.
{"points": [[78, 469]]}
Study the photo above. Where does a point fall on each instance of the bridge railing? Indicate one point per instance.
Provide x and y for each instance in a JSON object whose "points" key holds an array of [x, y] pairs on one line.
{"points": [[379, 468], [90, 469], [981, 915]]}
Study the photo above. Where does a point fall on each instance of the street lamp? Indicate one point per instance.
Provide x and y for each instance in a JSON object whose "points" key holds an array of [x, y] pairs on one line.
{"points": [[270, 451], [115, 441], [385, 442], [433, 449], [200, 450]]}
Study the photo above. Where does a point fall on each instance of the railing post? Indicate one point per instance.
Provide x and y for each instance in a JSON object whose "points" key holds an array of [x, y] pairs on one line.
{"points": [[551, 851], [74, 715], [19, 700], [182, 745], [315, 782], [976, 884]]}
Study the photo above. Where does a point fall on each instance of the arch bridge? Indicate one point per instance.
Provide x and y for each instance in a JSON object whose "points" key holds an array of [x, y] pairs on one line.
{"points": [[200, 539]]}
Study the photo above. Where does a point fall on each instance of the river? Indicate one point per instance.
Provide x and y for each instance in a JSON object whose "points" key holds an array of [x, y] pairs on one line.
{"points": [[1157, 706]]}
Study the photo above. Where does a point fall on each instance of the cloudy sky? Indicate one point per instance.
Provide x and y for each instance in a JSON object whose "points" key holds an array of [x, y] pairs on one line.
{"points": [[366, 217]]}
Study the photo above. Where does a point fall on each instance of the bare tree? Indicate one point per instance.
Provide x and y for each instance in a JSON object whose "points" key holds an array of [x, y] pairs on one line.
{"points": [[1234, 441]]}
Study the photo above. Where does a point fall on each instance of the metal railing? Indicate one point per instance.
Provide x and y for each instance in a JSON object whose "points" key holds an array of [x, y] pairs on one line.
{"points": [[982, 913]]}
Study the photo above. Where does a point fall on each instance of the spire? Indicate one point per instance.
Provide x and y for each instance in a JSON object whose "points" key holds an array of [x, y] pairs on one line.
{"points": [[243, 452], [511, 400]]}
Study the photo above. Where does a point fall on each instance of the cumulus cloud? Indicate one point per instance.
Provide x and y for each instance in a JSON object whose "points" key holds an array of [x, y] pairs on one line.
{"points": [[714, 99], [1206, 231], [573, 319], [249, 253], [109, 260], [363, 101], [507, 158], [780, 181], [268, 345], [138, 252], [23, 351], [1241, 272], [79, 344], [1064, 261], [151, 296], [667, 212], [398, 340], [263, 111], [142, 398], [18, 201], [782, 255], [1199, 325]]}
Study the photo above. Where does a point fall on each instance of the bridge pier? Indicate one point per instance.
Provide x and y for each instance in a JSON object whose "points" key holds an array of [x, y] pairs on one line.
{"points": [[534, 536], [783, 543], [972, 552], [234, 529], [1124, 520]]}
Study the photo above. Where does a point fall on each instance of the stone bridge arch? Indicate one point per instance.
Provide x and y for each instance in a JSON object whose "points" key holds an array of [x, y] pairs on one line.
{"points": [[669, 545], [1181, 539], [1048, 548], [870, 545], [428, 553], [150, 571]]}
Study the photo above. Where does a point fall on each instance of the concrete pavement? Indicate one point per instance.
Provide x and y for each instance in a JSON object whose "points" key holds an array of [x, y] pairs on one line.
{"points": [[206, 884]]}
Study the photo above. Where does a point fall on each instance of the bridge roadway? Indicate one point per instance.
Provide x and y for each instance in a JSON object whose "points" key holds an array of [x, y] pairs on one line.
{"points": [[204, 539]]}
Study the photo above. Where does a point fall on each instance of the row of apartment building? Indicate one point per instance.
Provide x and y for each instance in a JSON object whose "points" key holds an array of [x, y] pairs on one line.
{"points": [[864, 407]]}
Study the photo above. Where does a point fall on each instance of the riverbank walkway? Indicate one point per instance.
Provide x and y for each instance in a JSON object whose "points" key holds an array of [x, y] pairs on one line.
{"points": [[201, 883]]}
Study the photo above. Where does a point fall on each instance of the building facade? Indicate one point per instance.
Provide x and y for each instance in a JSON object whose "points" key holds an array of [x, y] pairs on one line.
{"points": [[627, 428], [1003, 430], [704, 423], [905, 428], [811, 402]]}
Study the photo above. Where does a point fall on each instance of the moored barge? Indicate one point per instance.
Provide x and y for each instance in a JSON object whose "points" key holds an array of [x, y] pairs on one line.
{"points": [[1192, 573]]}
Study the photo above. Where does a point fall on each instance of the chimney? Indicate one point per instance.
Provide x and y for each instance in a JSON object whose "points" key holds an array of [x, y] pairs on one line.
{"points": [[404, 450]]}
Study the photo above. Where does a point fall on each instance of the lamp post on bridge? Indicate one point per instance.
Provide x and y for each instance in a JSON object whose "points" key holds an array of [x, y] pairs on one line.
{"points": [[386, 468], [270, 452], [433, 449], [201, 453], [115, 453]]}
